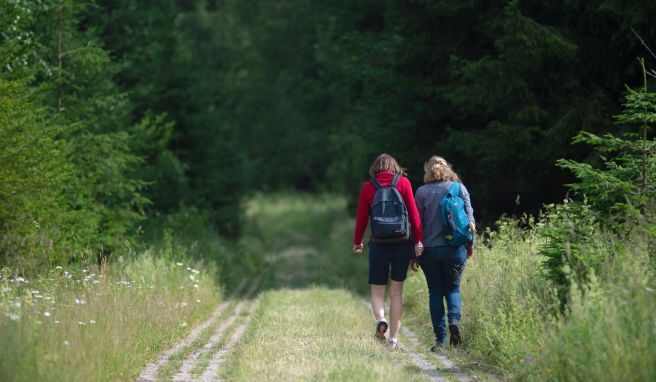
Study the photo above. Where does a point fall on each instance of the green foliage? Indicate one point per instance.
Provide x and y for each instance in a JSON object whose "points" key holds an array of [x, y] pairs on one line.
{"points": [[573, 245], [34, 169], [512, 317], [161, 170], [624, 187]]}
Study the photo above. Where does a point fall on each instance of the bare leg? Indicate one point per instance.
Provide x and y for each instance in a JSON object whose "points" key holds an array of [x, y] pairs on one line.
{"points": [[378, 301], [396, 307]]}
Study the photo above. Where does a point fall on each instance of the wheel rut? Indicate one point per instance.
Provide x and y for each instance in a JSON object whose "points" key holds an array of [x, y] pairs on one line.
{"points": [[216, 347], [436, 367]]}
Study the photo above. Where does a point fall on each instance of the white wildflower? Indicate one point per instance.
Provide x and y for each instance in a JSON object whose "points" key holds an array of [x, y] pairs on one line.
{"points": [[66, 343], [179, 264], [92, 322], [59, 267], [56, 322], [47, 314], [198, 301], [195, 271], [80, 301], [196, 286], [81, 323], [13, 316]]}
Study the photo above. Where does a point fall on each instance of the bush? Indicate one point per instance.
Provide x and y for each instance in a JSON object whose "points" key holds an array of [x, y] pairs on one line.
{"points": [[573, 244]]}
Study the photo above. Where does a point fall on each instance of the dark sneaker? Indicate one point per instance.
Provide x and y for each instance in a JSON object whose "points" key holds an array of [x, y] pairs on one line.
{"points": [[454, 336], [381, 328], [438, 347]]}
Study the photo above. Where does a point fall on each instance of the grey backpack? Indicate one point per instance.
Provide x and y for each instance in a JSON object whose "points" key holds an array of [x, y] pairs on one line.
{"points": [[389, 214]]}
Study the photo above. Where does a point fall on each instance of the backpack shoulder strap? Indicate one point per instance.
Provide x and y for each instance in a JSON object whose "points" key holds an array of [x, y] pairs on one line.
{"points": [[395, 180], [455, 189], [375, 183]]}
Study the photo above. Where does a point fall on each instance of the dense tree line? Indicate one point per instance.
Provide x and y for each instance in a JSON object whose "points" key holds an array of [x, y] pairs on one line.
{"points": [[499, 88], [113, 111]]}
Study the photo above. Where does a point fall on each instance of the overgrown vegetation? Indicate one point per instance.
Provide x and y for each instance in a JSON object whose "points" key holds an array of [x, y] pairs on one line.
{"points": [[101, 323], [513, 321], [568, 296], [133, 134], [116, 110]]}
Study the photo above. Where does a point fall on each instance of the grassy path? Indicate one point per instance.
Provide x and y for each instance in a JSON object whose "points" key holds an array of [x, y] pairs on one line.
{"points": [[307, 319], [315, 334]]}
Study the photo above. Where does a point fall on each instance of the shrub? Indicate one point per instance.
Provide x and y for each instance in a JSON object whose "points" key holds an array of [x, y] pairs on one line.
{"points": [[573, 244]]}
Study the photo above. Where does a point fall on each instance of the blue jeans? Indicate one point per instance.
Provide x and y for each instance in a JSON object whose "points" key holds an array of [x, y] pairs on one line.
{"points": [[443, 267]]}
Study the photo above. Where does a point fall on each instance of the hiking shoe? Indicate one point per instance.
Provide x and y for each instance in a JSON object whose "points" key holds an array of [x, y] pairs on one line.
{"points": [[438, 347], [392, 343], [381, 328], [454, 336]]}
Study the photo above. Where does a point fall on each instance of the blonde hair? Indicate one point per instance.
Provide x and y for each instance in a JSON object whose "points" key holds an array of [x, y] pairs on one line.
{"points": [[437, 169], [385, 162]]}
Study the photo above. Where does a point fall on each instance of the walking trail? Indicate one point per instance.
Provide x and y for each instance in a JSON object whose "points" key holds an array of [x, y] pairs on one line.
{"points": [[304, 317]]}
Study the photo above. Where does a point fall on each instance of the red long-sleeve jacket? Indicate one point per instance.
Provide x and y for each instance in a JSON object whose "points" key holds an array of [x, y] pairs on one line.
{"points": [[367, 197]]}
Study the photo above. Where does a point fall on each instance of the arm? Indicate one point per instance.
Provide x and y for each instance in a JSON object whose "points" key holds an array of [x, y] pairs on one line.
{"points": [[413, 214], [468, 206], [419, 202], [362, 218]]}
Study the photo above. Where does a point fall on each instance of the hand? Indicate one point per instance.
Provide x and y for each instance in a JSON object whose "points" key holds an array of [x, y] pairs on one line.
{"points": [[470, 250], [414, 265], [472, 227], [419, 248], [357, 248]]}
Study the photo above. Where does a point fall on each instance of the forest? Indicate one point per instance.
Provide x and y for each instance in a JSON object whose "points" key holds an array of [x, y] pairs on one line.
{"points": [[136, 134]]}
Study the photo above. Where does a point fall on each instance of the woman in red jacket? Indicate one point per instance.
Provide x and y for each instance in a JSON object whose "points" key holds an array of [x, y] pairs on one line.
{"points": [[384, 257]]}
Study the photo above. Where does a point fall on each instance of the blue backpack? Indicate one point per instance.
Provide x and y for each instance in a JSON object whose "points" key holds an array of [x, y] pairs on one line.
{"points": [[455, 223], [389, 214]]}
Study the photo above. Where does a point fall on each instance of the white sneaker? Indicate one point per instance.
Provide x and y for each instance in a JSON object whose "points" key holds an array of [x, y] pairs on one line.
{"points": [[392, 343]]}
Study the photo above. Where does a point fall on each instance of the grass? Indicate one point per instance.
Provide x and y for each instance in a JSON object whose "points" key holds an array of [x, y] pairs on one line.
{"points": [[512, 326], [106, 323], [170, 368], [205, 358], [99, 323], [314, 334], [311, 239], [511, 322]]}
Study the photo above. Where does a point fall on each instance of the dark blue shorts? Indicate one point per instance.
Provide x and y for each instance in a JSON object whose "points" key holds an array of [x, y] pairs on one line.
{"points": [[383, 257]]}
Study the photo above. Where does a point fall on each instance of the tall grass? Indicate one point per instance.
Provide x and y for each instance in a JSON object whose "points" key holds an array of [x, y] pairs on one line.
{"points": [[512, 317], [101, 323]]}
